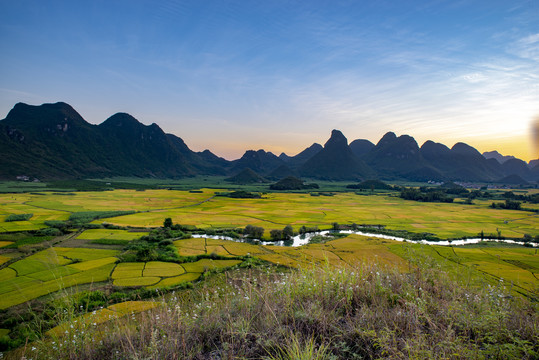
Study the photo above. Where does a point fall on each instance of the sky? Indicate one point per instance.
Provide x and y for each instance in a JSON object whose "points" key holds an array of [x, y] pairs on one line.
{"points": [[280, 74]]}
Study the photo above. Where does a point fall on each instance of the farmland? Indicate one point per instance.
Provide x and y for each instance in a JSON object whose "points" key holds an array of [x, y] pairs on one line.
{"points": [[273, 211], [76, 242]]}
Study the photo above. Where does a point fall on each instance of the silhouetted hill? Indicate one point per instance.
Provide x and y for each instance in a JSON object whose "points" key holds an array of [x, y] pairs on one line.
{"points": [[281, 172], [246, 176], [517, 167], [204, 162], [53, 141], [143, 150], [534, 172], [395, 157], [462, 162], [299, 159], [496, 155], [292, 183], [513, 180], [260, 161], [361, 147], [469, 165], [335, 161]]}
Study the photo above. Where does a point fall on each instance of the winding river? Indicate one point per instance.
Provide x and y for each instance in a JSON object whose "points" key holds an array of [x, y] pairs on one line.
{"points": [[304, 239]]}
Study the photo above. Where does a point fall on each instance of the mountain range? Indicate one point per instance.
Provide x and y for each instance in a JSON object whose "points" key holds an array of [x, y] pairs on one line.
{"points": [[52, 141]]}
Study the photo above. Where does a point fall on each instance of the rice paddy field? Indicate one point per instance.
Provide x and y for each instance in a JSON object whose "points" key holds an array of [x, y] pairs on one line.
{"points": [[273, 211]]}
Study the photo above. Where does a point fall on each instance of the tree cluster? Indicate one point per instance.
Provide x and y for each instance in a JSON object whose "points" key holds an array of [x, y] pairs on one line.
{"points": [[430, 196], [285, 234], [508, 205], [253, 232]]}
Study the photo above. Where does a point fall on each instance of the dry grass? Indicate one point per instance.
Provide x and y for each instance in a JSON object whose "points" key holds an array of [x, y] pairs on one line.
{"points": [[366, 312]]}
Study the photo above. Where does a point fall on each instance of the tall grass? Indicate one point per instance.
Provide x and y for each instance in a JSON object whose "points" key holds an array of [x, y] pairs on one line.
{"points": [[366, 312]]}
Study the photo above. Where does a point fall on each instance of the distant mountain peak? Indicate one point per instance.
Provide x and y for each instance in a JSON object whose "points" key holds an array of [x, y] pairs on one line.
{"points": [[336, 140], [387, 138], [461, 148], [496, 155]]}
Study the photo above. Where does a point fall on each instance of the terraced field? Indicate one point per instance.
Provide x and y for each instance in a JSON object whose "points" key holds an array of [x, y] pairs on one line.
{"points": [[52, 270]]}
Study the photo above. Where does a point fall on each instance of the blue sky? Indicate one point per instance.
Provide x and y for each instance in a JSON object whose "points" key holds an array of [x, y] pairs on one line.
{"points": [[280, 75]]}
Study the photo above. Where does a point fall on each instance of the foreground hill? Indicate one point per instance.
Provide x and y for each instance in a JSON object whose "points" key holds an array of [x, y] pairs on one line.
{"points": [[52, 141]]}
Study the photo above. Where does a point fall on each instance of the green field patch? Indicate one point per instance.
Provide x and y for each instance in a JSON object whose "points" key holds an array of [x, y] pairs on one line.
{"points": [[110, 242], [52, 274], [128, 270], [97, 234], [92, 264], [28, 266], [207, 264], [23, 289], [83, 254], [196, 245], [217, 250], [7, 273], [17, 283], [162, 269], [5, 243], [242, 249], [49, 256], [137, 281], [130, 307], [182, 251], [4, 332], [176, 280], [279, 259], [97, 274]]}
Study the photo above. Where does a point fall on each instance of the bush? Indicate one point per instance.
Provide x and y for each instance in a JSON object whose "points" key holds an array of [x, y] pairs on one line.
{"points": [[49, 232], [18, 217]]}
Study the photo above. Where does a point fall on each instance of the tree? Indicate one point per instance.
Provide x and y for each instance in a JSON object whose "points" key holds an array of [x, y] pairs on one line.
{"points": [[254, 232], [276, 234], [288, 232], [167, 223]]}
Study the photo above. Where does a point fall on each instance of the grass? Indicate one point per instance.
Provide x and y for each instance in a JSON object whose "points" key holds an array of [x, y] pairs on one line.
{"points": [[367, 311], [100, 316]]}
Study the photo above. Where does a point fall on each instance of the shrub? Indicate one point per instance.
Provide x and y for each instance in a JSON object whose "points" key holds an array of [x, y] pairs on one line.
{"points": [[18, 217]]}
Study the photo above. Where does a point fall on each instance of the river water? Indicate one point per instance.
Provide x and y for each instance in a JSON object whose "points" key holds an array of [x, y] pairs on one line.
{"points": [[304, 239]]}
